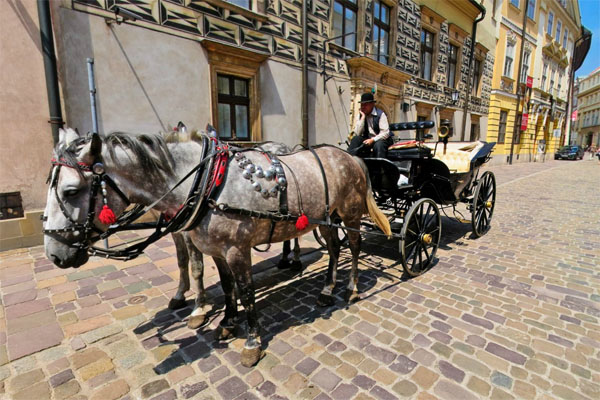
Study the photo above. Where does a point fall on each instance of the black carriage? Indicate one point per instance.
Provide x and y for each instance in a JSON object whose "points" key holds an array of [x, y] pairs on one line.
{"points": [[417, 179]]}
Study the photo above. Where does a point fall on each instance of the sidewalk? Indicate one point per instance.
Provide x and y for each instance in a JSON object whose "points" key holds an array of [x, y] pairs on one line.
{"points": [[514, 314]]}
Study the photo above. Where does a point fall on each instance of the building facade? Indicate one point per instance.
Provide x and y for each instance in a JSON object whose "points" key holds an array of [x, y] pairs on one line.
{"points": [[551, 29], [238, 65], [588, 110]]}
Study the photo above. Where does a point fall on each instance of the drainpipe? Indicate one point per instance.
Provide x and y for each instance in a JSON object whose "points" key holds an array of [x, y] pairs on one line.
{"points": [[49, 57], [471, 58], [304, 76], [517, 124]]}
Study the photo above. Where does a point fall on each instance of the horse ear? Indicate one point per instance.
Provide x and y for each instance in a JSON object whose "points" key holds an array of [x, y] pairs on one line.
{"points": [[211, 130], [62, 134], [96, 145], [181, 127], [70, 136]]}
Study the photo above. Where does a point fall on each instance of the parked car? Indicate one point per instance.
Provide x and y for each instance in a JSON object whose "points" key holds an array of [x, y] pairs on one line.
{"points": [[569, 153]]}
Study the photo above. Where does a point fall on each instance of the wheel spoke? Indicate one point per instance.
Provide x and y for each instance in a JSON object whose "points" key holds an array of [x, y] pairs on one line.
{"points": [[425, 215], [414, 258], [426, 254]]}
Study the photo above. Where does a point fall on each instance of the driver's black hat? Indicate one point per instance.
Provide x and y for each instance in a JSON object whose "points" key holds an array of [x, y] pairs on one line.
{"points": [[367, 98]]}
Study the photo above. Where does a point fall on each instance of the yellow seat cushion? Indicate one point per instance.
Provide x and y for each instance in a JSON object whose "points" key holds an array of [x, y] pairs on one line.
{"points": [[455, 160], [458, 155]]}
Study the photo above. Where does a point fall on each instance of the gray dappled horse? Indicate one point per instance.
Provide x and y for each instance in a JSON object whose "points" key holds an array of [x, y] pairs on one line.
{"points": [[145, 169], [189, 255]]}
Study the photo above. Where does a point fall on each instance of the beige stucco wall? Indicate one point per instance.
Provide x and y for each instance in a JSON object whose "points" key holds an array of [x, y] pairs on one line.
{"points": [[26, 136], [145, 80], [281, 106]]}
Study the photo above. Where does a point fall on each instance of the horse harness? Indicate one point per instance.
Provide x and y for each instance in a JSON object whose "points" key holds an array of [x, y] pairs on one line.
{"points": [[209, 174]]}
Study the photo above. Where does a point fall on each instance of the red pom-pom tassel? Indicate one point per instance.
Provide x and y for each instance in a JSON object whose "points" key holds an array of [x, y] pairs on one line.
{"points": [[107, 216], [302, 222]]}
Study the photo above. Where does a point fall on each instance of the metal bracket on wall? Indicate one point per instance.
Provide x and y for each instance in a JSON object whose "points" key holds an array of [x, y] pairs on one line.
{"points": [[324, 73]]}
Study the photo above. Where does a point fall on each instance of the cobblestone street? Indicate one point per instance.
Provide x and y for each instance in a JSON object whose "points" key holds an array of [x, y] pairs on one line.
{"points": [[513, 314]]}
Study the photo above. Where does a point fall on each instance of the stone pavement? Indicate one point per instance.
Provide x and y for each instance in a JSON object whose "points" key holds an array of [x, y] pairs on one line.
{"points": [[514, 314]]}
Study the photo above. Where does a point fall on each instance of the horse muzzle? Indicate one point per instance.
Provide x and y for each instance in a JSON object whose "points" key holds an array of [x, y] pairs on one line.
{"points": [[66, 257]]}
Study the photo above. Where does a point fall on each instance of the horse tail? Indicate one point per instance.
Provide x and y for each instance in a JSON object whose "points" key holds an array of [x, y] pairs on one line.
{"points": [[374, 212]]}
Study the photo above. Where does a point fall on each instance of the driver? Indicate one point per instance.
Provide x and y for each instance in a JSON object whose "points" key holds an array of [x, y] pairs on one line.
{"points": [[371, 131]]}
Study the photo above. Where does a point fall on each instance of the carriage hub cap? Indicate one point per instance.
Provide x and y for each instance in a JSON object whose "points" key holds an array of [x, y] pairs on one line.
{"points": [[488, 204], [427, 239]]}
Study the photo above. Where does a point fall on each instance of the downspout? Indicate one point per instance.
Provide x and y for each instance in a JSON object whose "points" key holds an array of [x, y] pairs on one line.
{"points": [[471, 58], [49, 57], [304, 76]]}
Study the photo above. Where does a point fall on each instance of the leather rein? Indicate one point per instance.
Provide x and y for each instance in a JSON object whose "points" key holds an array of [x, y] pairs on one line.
{"points": [[213, 159]]}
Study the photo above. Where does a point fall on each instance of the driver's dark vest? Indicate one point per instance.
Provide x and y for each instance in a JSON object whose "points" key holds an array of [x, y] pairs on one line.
{"points": [[376, 119]]}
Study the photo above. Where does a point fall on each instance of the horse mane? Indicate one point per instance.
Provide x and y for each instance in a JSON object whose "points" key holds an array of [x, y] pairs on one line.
{"points": [[150, 150]]}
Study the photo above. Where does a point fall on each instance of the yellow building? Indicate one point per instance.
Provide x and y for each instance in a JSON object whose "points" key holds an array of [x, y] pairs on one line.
{"points": [[588, 110], [551, 29]]}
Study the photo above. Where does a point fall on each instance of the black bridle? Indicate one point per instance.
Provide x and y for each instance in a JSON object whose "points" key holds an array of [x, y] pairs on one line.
{"points": [[88, 227], [185, 219]]}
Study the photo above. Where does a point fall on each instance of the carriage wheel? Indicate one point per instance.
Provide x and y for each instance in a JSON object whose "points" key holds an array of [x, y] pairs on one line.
{"points": [[342, 235], [421, 234], [483, 204]]}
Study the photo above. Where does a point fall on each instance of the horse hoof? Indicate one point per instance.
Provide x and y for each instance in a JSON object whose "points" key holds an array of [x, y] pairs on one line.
{"points": [[325, 300], [251, 356], [176, 304], [351, 296], [196, 321], [284, 264], [296, 266], [225, 332]]}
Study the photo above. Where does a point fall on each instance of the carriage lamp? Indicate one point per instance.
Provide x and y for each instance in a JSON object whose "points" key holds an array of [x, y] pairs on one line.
{"points": [[455, 96]]}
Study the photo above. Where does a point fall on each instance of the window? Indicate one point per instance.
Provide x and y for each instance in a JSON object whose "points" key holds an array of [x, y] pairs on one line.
{"points": [[515, 3], [560, 77], [452, 60], [508, 59], [233, 108], [344, 23], [476, 77], [241, 3], [550, 23], [544, 72], [427, 55], [531, 9], [381, 32], [551, 88], [502, 126], [558, 26], [525, 67], [565, 37]]}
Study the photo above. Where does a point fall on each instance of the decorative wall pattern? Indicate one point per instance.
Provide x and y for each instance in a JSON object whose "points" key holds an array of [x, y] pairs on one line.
{"points": [[279, 33]]}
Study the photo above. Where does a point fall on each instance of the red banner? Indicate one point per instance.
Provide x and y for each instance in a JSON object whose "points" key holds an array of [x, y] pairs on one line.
{"points": [[524, 121], [529, 81], [574, 116]]}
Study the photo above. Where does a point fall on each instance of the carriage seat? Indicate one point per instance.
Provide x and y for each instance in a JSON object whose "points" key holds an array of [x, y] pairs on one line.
{"points": [[408, 149], [458, 154]]}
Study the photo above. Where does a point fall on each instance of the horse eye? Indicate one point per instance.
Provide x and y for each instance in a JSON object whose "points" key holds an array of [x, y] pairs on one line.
{"points": [[71, 192]]}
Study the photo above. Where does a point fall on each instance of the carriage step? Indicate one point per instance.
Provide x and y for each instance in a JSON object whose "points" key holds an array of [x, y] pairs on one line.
{"points": [[464, 221]]}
